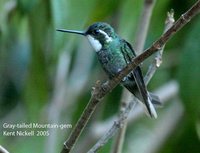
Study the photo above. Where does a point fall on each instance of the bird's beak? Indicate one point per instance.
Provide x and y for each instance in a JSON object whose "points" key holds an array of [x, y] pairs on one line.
{"points": [[72, 31]]}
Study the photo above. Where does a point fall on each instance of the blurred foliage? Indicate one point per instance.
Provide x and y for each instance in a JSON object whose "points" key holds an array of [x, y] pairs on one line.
{"points": [[190, 71], [38, 85]]}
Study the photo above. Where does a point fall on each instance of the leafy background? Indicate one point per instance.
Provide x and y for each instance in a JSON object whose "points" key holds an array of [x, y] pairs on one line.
{"points": [[46, 76]]}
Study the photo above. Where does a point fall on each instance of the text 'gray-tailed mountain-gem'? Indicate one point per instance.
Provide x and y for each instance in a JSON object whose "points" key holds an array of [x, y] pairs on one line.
{"points": [[114, 53]]}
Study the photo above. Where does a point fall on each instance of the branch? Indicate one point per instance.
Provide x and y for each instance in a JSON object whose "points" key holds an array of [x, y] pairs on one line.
{"points": [[101, 90]]}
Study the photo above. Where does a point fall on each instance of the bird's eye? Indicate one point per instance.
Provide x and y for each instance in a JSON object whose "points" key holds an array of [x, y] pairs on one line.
{"points": [[96, 31]]}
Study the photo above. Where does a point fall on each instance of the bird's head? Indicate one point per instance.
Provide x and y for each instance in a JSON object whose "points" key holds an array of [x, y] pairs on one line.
{"points": [[98, 34]]}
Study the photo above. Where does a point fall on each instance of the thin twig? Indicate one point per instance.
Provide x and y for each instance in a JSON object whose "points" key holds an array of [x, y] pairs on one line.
{"points": [[158, 58], [101, 90], [125, 100], [112, 131], [143, 25], [139, 46], [56, 103]]}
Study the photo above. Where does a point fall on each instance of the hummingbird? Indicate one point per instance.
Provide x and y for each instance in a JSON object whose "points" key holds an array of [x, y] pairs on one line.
{"points": [[114, 53]]}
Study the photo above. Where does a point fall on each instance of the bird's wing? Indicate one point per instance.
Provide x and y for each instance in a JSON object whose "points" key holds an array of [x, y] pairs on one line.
{"points": [[128, 53], [137, 76]]}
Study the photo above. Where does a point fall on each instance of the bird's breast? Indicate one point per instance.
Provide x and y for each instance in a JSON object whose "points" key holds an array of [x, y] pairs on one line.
{"points": [[111, 60]]}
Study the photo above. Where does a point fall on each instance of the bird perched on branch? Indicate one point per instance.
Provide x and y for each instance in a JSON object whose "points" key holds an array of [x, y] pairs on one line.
{"points": [[114, 53]]}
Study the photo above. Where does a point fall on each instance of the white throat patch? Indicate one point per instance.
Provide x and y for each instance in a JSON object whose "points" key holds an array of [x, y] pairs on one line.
{"points": [[95, 43]]}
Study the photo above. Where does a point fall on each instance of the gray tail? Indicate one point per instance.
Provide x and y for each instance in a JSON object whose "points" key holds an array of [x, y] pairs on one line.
{"points": [[151, 111], [155, 100]]}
